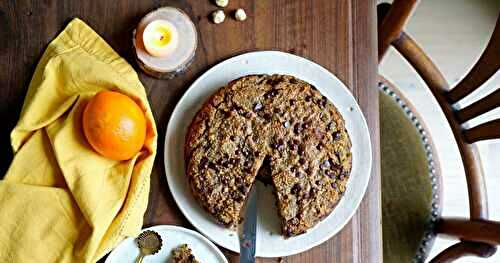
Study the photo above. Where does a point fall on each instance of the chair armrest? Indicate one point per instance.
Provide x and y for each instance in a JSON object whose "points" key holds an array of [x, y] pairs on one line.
{"points": [[483, 231], [463, 249]]}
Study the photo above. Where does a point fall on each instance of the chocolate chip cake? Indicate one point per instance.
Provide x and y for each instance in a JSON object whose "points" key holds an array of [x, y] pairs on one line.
{"points": [[183, 254], [277, 124]]}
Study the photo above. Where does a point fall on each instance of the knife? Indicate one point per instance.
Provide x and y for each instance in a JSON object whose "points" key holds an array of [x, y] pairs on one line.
{"points": [[249, 231]]}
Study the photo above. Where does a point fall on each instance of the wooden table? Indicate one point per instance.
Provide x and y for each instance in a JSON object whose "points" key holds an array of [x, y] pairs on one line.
{"points": [[337, 34]]}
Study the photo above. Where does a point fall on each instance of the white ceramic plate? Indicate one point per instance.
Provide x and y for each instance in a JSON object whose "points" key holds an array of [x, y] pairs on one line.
{"points": [[172, 237], [269, 241]]}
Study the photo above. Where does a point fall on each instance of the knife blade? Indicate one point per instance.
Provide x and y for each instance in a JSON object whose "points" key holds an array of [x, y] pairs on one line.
{"points": [[249, 231]]}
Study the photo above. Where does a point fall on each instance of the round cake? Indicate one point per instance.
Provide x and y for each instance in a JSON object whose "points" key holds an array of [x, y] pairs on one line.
{"points": [[275, 128]]}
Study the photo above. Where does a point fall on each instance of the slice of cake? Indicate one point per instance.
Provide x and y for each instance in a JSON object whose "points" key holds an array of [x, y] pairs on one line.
{"points": [[183, 254]]}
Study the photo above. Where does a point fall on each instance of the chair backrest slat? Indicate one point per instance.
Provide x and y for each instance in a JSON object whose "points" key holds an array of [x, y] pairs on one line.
{"points": [[487, 65], [485, 131], [479, 107]]}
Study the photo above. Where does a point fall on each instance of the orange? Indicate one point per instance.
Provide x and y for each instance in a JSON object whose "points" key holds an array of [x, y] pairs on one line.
{"points": [[114, 125]]}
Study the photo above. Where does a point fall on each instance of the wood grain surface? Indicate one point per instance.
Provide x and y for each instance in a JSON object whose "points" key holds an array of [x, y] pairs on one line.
{"points": [[339, 35]]}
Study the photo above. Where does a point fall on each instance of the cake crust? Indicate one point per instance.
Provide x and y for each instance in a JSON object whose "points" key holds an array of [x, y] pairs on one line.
{"points": [[279, 124]]}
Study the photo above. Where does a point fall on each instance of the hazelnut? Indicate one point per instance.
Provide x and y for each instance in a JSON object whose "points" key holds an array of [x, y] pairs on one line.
{"points": [[240, 14], [218, 16], [221, 3]]}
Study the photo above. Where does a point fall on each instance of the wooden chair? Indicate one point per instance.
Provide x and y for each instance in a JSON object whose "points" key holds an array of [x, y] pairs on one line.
{"points": [[477, 235]]}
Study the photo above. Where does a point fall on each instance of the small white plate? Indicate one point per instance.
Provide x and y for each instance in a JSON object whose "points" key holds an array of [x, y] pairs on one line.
{"points": [[172, 237], [269, 241]]}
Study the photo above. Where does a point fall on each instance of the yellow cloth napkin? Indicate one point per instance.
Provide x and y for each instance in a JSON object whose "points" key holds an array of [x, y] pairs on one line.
{"points": [[60, 201]]}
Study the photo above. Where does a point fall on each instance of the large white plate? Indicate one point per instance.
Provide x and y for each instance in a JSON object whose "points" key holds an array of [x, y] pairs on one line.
{"points": [[269, 241], [172, 237]]}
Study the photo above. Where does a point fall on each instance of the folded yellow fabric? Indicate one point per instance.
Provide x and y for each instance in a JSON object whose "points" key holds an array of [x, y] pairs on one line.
{"points": [[60, 201]]}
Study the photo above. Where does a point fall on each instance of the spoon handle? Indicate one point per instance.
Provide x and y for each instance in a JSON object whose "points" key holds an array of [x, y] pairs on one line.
{"points": [[140, 258]]}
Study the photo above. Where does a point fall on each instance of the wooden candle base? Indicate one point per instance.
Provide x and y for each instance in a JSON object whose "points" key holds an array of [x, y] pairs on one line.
{"points": [[178, 61]]}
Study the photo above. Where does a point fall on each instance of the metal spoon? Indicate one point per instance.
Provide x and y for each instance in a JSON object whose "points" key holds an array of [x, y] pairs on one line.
{"points": [[149, 243]]}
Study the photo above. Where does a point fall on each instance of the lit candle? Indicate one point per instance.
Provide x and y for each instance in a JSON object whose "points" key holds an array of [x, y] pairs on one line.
{"points": [[160, 38]]}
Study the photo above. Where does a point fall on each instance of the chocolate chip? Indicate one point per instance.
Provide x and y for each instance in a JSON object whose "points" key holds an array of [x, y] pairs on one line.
{"points": [[336, 135], [238, 198], [302, 161], [247, 164], [293, 81], [224, 163], [257, 154], [212, 166], [306, 195], [232, 138], [257, 107], [323, 101], [276, 110], [237, 152], [295, 189], [306, 125], [247, 170], [292, 102], [246, 152], [234, 161], [270, 94], [273, 82], [297, 128], [255, 138], [325, 165], [293, 145], [279, 145], [293, 169], [267, 116], [302, 150], [203, 163], [242, 189], [238, 180], [330, 126], [319, 146], [308, 98], [334, 185]]}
